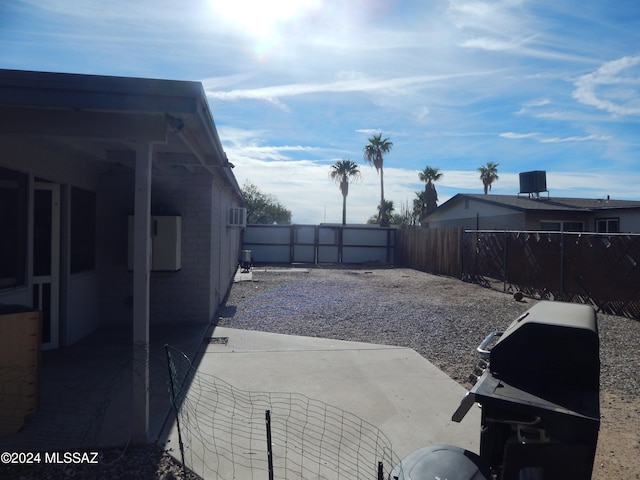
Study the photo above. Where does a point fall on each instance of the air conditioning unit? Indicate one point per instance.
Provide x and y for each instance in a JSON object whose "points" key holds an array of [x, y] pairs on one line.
{"points": [[237, 217]]}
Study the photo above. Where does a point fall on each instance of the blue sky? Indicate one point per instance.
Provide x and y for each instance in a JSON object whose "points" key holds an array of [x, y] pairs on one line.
{"points": [[295, 86]]}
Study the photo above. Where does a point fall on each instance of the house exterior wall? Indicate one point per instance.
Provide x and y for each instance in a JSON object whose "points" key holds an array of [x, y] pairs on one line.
{"points": [[83, 138], [628, 222], [79, 300], [534, 219], [115, 202], [209, 250], [226, 244], [473, 215], [104, 296], [183, 296]]}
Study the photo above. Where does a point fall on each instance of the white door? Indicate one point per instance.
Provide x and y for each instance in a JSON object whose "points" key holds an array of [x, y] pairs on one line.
{"points": [[46, 260]]}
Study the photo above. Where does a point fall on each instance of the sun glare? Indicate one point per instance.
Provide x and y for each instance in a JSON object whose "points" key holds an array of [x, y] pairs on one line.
{"points": [[259, 18]]}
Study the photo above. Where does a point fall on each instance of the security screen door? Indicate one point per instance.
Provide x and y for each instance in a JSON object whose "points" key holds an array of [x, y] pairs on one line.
{"points": [[46, 259]]}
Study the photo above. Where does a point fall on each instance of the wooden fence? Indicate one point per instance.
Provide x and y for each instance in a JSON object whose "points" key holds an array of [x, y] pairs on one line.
{"points": [[433, 250], [598, 269]]}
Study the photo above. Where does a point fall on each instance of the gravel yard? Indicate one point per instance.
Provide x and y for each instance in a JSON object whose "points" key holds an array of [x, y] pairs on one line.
{"points": [[443, 319]]}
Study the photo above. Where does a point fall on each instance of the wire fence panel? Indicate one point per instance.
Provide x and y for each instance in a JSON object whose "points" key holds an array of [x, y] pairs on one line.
{"points": [[223, 433]]}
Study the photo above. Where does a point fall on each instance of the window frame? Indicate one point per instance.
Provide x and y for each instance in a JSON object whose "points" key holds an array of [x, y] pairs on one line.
{"points": [[562, 225], [14, 220], [608, 221], [82, 238]]}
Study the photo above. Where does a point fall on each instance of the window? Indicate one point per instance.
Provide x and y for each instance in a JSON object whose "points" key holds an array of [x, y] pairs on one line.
{"points": [[13, 228], [551, 226], [555, 226], [572, 226], [607, 225], [237, 217], [83, 230]]}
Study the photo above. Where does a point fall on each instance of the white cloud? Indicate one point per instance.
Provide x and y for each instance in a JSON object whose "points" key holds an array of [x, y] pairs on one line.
{"points": [[609, 89], [584, 138], [540, 138], [363, 83], [515, 135], [537, 103], [495, 44]]}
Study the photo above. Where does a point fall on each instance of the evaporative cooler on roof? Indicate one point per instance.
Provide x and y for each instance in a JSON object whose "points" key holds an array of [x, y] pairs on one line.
{"points": [[533, 182]]}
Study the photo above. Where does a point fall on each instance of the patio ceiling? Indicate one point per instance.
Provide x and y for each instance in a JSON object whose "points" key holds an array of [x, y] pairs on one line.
{"points": [[100, 120]]}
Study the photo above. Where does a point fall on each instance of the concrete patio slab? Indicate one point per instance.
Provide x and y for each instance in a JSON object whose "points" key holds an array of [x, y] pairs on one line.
{"points": [[393, 388]]}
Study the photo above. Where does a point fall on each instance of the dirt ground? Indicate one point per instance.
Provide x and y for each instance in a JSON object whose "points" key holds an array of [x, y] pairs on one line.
{"points": [[618, 452]]}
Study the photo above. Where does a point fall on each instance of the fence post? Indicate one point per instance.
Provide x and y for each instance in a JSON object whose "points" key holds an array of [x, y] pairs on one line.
{"points": [[172, 387], [561, 265], [380, 471], [267, 414], [505, 260]]}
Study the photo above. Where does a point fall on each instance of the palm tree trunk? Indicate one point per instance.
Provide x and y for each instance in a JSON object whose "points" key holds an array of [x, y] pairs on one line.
{"points": [[384, 222], [344, 209]]}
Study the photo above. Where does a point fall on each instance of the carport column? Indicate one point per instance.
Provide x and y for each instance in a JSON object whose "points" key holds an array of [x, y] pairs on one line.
{"points": [[141, 278]]}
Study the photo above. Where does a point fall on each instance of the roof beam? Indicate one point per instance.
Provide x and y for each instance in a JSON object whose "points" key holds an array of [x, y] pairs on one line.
{"points": [[71, 123]]}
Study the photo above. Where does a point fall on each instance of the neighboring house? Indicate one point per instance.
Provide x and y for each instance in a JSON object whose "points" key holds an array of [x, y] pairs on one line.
{"points": [[79, 154], [526, 212]]}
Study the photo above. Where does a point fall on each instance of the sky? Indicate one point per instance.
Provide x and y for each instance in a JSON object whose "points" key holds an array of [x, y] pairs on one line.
{"points": [[296, 85]]}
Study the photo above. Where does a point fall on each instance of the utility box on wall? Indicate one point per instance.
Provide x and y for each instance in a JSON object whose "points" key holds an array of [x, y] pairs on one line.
{"points": [[166, 243]]}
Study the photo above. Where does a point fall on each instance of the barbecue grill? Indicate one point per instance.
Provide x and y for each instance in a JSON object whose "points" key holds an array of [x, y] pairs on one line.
{"points": [[539, 395]]}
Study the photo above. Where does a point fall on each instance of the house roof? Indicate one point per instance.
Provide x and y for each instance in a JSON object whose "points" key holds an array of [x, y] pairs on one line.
{"points": [[547, 204], [101, 119]]}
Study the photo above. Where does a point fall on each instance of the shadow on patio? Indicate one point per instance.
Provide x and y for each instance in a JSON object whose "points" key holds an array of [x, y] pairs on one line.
{"points": [[85, 390]]}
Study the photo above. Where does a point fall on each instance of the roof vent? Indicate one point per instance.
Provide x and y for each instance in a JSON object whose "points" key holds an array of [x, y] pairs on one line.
{"points": [[533, 182]]}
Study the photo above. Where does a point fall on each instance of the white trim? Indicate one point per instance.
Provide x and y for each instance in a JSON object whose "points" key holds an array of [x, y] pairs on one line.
{"points": [[53, 279]]}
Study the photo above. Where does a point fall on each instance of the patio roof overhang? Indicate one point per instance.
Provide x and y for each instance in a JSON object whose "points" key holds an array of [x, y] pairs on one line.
{"points": [[106, 122], [103, 119]]}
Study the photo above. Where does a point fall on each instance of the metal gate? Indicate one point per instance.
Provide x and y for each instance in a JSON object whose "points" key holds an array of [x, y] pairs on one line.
{"points": [[352, 244]]}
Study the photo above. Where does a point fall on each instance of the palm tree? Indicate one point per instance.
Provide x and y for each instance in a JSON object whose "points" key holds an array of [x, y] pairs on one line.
{"points": [[488, 175], [341, 171], [430, 175], [388, 210], [373, 155]]}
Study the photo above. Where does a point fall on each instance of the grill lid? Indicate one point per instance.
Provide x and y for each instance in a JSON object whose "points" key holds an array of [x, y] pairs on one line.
{"points": [[552, 347]]}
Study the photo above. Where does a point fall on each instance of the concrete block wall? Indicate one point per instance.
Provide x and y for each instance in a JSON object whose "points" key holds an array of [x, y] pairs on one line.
{"points": [[183, 296], [209, 248]]}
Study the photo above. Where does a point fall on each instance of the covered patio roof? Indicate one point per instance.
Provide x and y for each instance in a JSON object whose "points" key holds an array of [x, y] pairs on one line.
{"points": [[103, 123], [102, 120]]}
